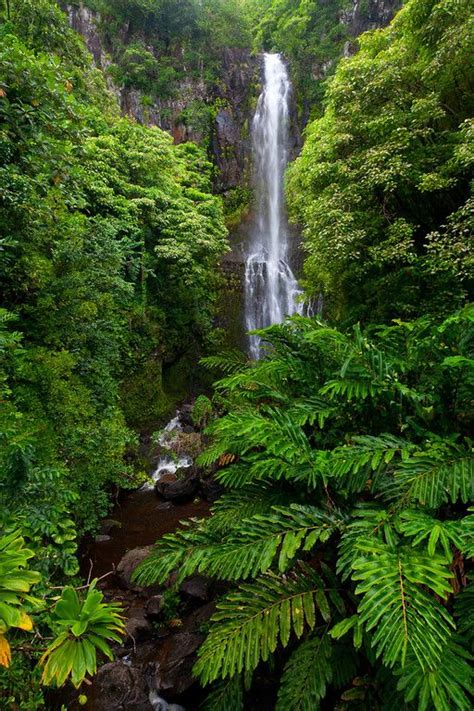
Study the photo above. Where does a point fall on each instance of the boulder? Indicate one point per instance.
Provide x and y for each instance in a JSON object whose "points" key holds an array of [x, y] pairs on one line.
{"points": [[182, 485], [102, 538], [154, 606], [174, 663], [107, 526], [160, 704], [138, 627], [164, 506], [127, 565], [197, 586], [211, 489], [198, 618], [186, 415], [120, 687]]}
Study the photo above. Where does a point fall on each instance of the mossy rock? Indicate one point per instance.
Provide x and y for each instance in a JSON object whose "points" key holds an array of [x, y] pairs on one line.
{"points": [[143, 399]]}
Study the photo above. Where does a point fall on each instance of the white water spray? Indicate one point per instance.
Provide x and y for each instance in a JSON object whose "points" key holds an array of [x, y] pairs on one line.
{"points": [[271, 289]]}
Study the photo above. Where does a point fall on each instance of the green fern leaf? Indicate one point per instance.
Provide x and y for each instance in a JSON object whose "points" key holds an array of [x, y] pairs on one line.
{"points": [[228, 695], [445, 686], [250, 622], [306, 675], [434, 476], [395, 605]]}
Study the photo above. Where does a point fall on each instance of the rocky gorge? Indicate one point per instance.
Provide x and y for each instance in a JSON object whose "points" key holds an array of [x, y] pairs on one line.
{"points": [[166, 625]]}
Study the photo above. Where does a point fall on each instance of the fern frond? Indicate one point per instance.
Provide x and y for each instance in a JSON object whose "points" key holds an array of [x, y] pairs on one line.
{"points": [[235, 506], [445, 686], [421, 526], [368, 523], [250, 622], [228, 695], [228, 362], [464, 613], [396, 606], [262, 539], [310, 410], [238, 433], [434, 476], [183, 551], [359, 386], [306, 675], [365, 455]]}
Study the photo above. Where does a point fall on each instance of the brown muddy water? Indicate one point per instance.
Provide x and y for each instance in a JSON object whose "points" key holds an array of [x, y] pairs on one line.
{"points": [[143, 518]]}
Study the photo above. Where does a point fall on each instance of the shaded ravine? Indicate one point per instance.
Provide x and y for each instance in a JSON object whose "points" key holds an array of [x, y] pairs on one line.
{"points": [[152, 670]]}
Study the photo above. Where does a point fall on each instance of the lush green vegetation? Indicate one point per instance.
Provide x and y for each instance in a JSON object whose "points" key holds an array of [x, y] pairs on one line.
{"points": [[309, 33], [345, 525], [345, 535], [110, 238], [383, 186], [344, 538], [313, 35], [156, 45]]}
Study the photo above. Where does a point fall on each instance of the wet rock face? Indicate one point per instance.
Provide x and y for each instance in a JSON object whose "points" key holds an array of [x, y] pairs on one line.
{"points": [[228, 101], [178, 486], [120, 687], [362, 16], [175, 661]]}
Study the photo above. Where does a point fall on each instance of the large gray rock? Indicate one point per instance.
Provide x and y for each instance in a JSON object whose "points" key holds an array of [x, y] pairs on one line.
{"points": [[154, 606], [138, 627], [197, 586], [127, 565]]}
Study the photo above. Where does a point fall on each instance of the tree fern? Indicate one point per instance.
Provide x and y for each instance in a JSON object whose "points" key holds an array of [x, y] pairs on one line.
{"points": [[363, 435]]}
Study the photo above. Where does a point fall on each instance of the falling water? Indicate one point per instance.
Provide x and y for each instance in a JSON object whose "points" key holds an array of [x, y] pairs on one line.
{"points": [[271, 289]]}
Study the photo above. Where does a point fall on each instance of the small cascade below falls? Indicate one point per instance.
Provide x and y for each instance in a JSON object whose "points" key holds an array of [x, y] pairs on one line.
{"points": [[271, 289], [169, 462]]}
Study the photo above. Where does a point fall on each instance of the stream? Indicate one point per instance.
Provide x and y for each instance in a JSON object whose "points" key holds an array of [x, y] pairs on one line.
{"points": [[152, 667]]}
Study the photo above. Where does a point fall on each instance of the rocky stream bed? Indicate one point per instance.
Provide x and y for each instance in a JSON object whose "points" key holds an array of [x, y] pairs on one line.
{"points": [[153, 666]]}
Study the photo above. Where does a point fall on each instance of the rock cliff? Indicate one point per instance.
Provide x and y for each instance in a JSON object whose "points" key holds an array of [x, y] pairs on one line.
{"points": [[213, 113]]}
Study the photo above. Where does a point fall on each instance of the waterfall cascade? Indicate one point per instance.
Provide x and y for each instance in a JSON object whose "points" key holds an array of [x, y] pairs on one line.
{"points": [[271, 289]]}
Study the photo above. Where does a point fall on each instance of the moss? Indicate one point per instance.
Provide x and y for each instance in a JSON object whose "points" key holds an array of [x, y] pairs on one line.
{"points": [[177, 377], [143, 399], [237, 202]]}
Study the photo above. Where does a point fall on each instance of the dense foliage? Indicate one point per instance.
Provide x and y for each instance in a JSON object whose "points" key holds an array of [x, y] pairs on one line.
{"points": [[109, 241], [313, 35], [345, 525], [110, 238], [383, 185], [160, 47], [344, 539]]}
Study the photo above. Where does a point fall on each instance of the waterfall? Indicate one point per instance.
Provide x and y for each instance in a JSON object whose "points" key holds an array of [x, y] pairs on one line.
{"points": [[271, 289]]}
